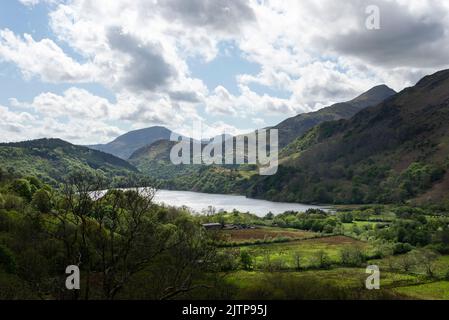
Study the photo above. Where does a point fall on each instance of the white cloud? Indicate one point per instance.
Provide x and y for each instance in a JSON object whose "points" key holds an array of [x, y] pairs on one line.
{"points": [[74, 103], [42, 58], [29, 3], [32, 3], [314, 52], [18, 125]]}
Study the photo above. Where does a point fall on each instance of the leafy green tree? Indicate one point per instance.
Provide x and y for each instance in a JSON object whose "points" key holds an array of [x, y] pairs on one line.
{"points": [[346, 217], [22, 187], [269, 216], [42, 201]]}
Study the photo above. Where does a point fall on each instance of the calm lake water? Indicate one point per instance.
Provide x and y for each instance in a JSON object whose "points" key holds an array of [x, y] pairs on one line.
{"points": [[199, 202]]}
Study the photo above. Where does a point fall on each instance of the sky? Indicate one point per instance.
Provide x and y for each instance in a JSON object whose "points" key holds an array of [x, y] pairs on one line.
{"points": [[87, 71]]}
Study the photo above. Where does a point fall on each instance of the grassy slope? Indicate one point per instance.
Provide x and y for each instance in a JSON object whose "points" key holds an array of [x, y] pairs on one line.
{"points": [[306, 249], [428, 291], [371, 157], [52, 159]]}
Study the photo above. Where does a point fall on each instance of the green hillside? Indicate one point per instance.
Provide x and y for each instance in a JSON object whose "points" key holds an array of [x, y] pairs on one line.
{"points": [[393, 152], [52, 159]]}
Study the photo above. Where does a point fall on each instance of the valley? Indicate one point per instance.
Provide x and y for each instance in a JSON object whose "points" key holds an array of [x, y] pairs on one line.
{"points": [[359, 183]]}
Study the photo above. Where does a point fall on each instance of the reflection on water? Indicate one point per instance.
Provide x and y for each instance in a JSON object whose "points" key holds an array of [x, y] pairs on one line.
{"points": [[200, 203]]}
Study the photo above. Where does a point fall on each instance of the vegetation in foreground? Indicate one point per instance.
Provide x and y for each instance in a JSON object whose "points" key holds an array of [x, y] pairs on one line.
{"points": [[129, 248]]}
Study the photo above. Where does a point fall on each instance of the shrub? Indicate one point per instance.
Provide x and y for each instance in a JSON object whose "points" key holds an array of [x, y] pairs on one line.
{"points": [[352, 256], [346, 217], [246, 260], [402, 248]]}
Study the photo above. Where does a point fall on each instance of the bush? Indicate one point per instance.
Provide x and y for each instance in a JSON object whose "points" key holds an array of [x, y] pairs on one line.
{"points": [[246, 260], [402, 248], [228, 260], [352, 257], [7, 260], [346, 217]]}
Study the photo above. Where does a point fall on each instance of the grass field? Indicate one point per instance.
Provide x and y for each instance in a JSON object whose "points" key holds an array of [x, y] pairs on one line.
{"points": [[345, 277], [265, 233], [350, 280], [430, 291], [287, 269], [284, 255], [441, 265]]}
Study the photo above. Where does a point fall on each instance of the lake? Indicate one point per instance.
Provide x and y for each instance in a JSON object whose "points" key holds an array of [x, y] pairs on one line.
{"points": [[199, 202]]}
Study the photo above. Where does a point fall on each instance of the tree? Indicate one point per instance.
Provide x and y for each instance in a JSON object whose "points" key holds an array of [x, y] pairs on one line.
{"points": [[297, 256], [22, 187], [42, 200], [322, 259], [352, 256], [269, 216], [115, 235], [426, 258], [406, 262], [346, 217]]}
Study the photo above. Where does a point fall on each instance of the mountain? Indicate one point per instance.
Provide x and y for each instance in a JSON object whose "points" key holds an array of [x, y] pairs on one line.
{"points": [[393, 152], [125, 145], [154, 161], [52, 159], [295, 127]]}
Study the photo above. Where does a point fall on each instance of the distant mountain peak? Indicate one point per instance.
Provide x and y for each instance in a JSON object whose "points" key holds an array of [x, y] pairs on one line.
{"points": [[377, 91], [125, 145], [295, 127]]}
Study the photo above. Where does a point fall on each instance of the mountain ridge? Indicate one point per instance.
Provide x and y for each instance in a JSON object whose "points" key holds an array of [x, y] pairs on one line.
{"points": [[125, 145], [298, 125], [151, 157], [51, 159], [392, 152]]}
